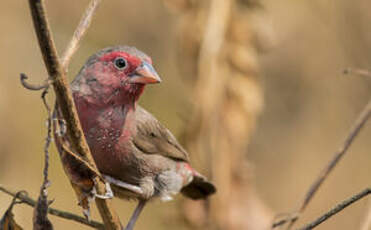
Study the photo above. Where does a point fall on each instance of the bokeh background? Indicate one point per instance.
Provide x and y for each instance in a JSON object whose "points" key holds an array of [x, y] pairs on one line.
{"points": [[308, 106]]}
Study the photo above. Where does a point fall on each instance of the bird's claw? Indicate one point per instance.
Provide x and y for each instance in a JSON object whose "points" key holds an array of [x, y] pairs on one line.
{"points": [[108, 195]]}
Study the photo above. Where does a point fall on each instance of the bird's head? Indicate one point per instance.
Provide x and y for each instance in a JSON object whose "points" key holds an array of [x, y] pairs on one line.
{"points": [[115, 75]]}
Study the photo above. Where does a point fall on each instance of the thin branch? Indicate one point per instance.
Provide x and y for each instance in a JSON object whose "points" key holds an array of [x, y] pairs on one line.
{"points": [[283, 220], [48, 138], [56, 212], [354, 131], [40, 214], [79, 32], [66, 104], [337, 209]]}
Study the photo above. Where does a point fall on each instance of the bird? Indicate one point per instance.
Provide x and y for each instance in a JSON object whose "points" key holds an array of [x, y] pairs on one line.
{"points": [[136, 154]]}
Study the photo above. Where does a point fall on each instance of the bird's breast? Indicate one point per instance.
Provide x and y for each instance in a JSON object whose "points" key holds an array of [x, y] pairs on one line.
{"points": [[108, 133]]}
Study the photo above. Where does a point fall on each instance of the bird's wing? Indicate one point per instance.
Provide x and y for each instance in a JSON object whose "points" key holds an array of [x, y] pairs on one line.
{"points": [[153, 138]]}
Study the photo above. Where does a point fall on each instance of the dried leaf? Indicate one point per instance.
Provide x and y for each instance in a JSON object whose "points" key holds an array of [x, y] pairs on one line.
{"points": [[81, 174], [7, 222]]}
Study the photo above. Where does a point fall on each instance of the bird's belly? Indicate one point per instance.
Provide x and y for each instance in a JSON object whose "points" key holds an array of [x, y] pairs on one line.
{"points": [[113, 156]]}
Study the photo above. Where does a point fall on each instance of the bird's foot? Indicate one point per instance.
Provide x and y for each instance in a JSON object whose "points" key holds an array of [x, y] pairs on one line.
{"points": [[133, 188], [108, 195]]}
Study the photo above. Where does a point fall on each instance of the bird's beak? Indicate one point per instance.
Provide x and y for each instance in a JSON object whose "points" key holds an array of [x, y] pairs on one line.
{"points": [[145, 74]]}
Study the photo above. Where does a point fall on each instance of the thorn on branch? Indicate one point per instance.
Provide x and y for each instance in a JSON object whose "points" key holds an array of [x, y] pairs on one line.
{"points": [[30, 86]]}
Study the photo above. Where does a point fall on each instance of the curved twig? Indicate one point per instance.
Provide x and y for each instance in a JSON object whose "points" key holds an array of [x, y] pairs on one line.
{"points": [[71, 48], [17, 197], [30, 86]]}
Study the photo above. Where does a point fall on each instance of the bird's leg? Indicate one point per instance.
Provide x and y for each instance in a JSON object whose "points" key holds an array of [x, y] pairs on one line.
{"points": [[119, 183], [136, 214]]}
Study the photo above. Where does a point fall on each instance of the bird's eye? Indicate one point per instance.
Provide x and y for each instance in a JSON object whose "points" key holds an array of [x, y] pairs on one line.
{"points": [[120, 63]]}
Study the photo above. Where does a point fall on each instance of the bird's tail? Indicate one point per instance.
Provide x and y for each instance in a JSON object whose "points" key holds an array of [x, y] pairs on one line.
{"points": [[199, 188]]}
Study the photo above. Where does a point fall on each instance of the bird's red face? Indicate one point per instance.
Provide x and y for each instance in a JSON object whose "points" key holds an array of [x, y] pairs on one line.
{"points": [[118, 75], [130, 68]]}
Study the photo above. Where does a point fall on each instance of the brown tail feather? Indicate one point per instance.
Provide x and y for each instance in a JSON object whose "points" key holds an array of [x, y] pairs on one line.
{"points": [[199, 188]]}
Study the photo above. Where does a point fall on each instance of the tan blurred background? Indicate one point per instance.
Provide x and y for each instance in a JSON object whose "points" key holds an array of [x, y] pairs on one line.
{"points": [[308, 104]]}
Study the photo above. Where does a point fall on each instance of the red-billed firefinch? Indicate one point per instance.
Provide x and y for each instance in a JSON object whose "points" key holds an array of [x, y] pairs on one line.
{"points": [[137, 155]]}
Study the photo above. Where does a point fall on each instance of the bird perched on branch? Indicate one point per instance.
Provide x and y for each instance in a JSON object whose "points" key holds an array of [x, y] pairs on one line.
{"points": [[137, 155]]}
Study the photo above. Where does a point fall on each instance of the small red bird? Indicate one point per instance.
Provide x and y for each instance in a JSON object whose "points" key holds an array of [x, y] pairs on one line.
{"points": [[137, 155]]}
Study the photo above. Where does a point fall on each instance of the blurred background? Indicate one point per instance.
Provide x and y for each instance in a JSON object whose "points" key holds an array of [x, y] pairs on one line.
{"points": [[261, 117]]}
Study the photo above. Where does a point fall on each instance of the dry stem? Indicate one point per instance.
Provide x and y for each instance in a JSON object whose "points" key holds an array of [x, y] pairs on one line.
{"points": [[66, 103], [337, 209], [354, 131], [79, 33]]}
